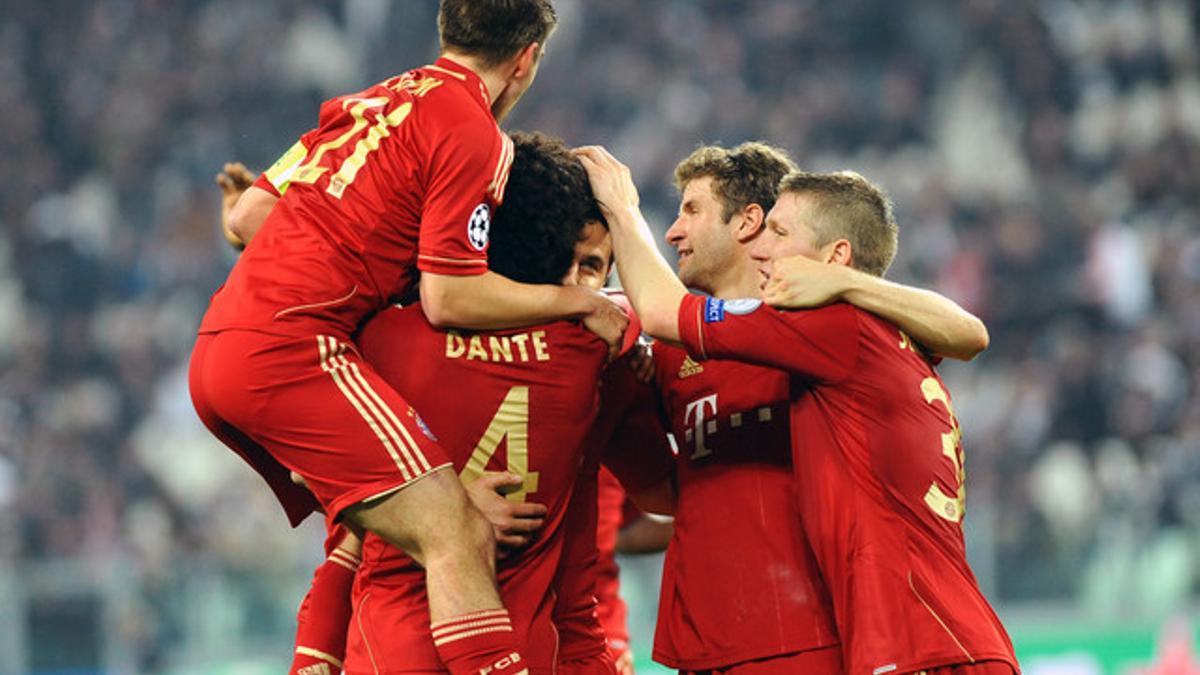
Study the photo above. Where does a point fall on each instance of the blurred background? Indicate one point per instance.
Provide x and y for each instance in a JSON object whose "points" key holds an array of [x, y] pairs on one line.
{"points": [[1045, 162]]}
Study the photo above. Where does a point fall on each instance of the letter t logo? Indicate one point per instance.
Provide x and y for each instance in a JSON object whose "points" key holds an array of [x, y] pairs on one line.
{"points": [[701, 425]]}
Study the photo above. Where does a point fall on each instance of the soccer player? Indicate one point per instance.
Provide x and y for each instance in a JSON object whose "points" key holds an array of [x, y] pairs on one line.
{"points": [[736, 503], [582, 579], [877, 458], [396, 180], [521, 401], [628, 435]]}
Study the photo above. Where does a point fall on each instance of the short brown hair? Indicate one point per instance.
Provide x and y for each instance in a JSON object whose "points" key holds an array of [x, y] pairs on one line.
{"points": [[847, 206], [494, 30], [747, 174]]}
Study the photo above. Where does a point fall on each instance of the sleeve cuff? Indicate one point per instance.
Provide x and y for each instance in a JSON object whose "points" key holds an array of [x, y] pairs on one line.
{"points": [[461, 267], [264, 183]]}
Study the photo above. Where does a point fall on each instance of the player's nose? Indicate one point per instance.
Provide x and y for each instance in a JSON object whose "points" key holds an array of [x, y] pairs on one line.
{"points": [[675, 233]]}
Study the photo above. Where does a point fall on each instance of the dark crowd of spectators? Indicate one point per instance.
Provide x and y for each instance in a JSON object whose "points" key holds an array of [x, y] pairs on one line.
{"points": [[1044, 158]]}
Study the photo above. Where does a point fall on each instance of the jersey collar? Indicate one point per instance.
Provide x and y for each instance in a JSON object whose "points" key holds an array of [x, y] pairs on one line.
{"points": [[468, 78]]}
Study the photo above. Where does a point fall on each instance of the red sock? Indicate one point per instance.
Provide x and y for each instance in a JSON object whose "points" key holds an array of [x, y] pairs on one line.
{"points": [[479, 643], [325, 613]]}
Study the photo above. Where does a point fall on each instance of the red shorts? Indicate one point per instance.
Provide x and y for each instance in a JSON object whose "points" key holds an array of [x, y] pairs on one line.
{"points": [[823, 661], [977, 668], [311, 405]]}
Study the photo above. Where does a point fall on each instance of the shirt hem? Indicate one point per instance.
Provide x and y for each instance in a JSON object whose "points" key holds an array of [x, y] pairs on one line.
{"points": [[941, 661], [726, 659]]}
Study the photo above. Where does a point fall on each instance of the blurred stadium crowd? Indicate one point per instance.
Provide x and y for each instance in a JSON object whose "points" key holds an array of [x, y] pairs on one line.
{"points": [[1044, 158]]}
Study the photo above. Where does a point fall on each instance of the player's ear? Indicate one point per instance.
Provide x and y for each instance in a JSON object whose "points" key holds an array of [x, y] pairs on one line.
{"points": [[525, 60], [839, 252], [750, 223]]}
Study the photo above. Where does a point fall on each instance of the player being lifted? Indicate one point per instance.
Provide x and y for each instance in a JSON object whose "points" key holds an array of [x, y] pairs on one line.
{"points": [[399, 178], [548, 206], [875, 445], [723, 607]]}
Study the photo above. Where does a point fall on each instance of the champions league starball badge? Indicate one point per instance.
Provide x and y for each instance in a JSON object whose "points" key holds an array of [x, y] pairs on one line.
{"points": [[478, 226]]}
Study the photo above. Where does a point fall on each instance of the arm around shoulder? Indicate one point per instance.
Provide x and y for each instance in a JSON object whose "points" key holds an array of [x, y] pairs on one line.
{"points": [[932, 319]]}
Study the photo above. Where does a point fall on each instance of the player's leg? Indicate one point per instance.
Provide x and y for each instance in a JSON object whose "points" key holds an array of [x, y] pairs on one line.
{"points": [[325, 414], [324, 615], [434, 522]]}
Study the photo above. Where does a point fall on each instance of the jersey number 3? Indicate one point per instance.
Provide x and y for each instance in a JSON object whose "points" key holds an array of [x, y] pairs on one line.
{"points": [[510, 422], [945, 506]]}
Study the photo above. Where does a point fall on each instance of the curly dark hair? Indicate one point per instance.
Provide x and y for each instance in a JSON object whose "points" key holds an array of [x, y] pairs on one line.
{"points": [[546, 204], [494, 30], [747, 174]]}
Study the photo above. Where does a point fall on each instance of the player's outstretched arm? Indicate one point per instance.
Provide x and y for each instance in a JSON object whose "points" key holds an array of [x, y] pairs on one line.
{"points": [[935, 321], [647, 278], [491, 301]]}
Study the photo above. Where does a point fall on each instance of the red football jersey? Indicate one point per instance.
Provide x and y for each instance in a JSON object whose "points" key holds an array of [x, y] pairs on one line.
{"points": [[611, 608], [630, 440], [739, 580], [879, 476], [520, 401], [398, 177]]}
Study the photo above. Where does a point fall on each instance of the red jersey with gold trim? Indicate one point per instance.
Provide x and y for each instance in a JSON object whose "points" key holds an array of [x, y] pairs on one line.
{"points": [[400, 177], [611, 607], [739, 580], [879, 475], [520, 401], [629, 438]]}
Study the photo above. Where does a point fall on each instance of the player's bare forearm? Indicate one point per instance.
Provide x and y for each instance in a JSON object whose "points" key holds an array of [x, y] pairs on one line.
{"points": [[490, 301], [935, 321], [646, 276], [647, 534], [652, 287], [248, 214]]}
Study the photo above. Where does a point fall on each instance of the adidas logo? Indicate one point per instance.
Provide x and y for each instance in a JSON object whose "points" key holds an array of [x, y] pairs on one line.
{"points": [[689, 368]]}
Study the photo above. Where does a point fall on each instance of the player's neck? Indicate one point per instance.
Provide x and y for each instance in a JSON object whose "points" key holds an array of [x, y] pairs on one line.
{"points": [[738, 281], [492, 81]]}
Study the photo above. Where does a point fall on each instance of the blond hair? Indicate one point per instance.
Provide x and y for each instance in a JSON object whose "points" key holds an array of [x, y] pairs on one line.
{"points": [[848, 206], [747, 174]]}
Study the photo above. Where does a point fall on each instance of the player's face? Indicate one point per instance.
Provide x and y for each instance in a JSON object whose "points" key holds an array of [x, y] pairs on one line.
{"points": [[702, 239], [593, 258], [787, 233]]}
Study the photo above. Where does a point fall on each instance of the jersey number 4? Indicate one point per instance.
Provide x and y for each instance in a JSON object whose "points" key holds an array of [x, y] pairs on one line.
{"points": [[510, 422]]}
